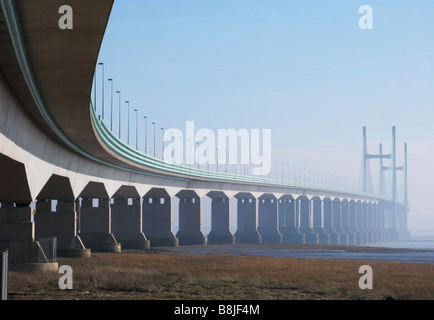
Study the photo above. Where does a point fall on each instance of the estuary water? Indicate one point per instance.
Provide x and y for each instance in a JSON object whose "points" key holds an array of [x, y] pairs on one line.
{"points": [[409, 251]]}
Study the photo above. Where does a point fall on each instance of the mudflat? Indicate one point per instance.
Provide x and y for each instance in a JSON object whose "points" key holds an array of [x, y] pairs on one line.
{"points": [[175, 274]]}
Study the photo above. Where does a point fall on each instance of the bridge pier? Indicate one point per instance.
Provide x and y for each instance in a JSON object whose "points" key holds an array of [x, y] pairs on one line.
{"points": [[337, 222], [380, 222], [16, 221], [95, 226], [349, 221], [369, 230], [62, 224], [190, 224], [220, 219], [323, 236], [268, 220], [375, 233], [328, 221], [346, 208], [363, 223], [127, 223], [247, 231], [303, 204], [287, 221], [157, 218], [62, 221]]}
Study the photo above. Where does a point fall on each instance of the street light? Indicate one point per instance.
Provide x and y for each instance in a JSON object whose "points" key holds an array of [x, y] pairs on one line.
{"points": [[94, 91], [154, 138], [162, 140], [128, 126], [111, 105], [146, 134], [102, 64], [217, 156], [118, 92], [137, 125]]}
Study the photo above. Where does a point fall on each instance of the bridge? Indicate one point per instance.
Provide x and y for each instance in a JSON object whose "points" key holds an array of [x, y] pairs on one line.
{"points": [[65, 174]]}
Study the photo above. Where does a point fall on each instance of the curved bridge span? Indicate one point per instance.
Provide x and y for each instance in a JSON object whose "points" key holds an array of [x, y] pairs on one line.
{"points": [[65, 175]]}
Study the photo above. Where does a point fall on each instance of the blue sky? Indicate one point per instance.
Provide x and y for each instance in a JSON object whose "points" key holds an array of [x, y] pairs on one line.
{"points": [[303, 69]]}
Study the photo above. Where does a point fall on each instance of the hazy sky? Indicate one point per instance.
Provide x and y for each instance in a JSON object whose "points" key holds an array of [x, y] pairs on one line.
{"points": [[303, 69]]}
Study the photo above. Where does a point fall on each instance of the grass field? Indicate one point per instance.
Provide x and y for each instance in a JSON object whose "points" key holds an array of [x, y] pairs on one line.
{"points": [[167, 276]]}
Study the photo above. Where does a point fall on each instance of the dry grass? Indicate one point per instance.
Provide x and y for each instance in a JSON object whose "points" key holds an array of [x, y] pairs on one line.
{"points": [[219, 277]]}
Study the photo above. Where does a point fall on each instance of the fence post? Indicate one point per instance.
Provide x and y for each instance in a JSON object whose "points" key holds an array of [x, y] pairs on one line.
{"points": [[4, 276]]}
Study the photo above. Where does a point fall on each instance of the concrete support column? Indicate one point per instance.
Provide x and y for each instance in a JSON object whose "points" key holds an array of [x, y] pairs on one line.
{"points": [[15, 226], [190, 224], [380, 222], [358, 223], [346, 207], [287, 222], [157, 222], [323, 236], [375, 233], [305, 222], [95, 226], [268, 221], [220, 222], [247, 231], [369, 229], [328, 221], [16, 221], [350, 222], [364, 223], [62, 224], [127, 223], [337, 222]]}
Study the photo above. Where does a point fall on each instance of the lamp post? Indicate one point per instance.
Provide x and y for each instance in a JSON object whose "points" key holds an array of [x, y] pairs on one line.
{"points": [[102, 111], [111, 105], [137, 125], [118, 92], [94, 91], [217, 156], [128, 125], [154, 138], [162, 145], [146, 134]]}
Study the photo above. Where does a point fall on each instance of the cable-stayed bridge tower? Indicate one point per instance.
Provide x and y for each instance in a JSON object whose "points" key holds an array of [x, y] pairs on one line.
{"points": [[395, 211]]}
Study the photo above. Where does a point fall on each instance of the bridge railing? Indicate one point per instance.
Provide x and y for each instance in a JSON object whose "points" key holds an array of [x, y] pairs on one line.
{"points": [[135, 156]]}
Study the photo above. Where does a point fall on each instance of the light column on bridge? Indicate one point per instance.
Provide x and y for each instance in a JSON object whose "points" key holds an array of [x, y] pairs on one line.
{"points": [[220, 219], [126, 213], [190, 224], [328, 221], [317, 207], [157, 218], [56, 216], [337, 221], [247, 231], [95, 219], [268, 220], [288, 222], [303, 205]]}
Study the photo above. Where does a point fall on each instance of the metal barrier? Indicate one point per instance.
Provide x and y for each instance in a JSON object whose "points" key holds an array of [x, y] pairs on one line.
{"points": [[4, 276], [41, 250]]}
